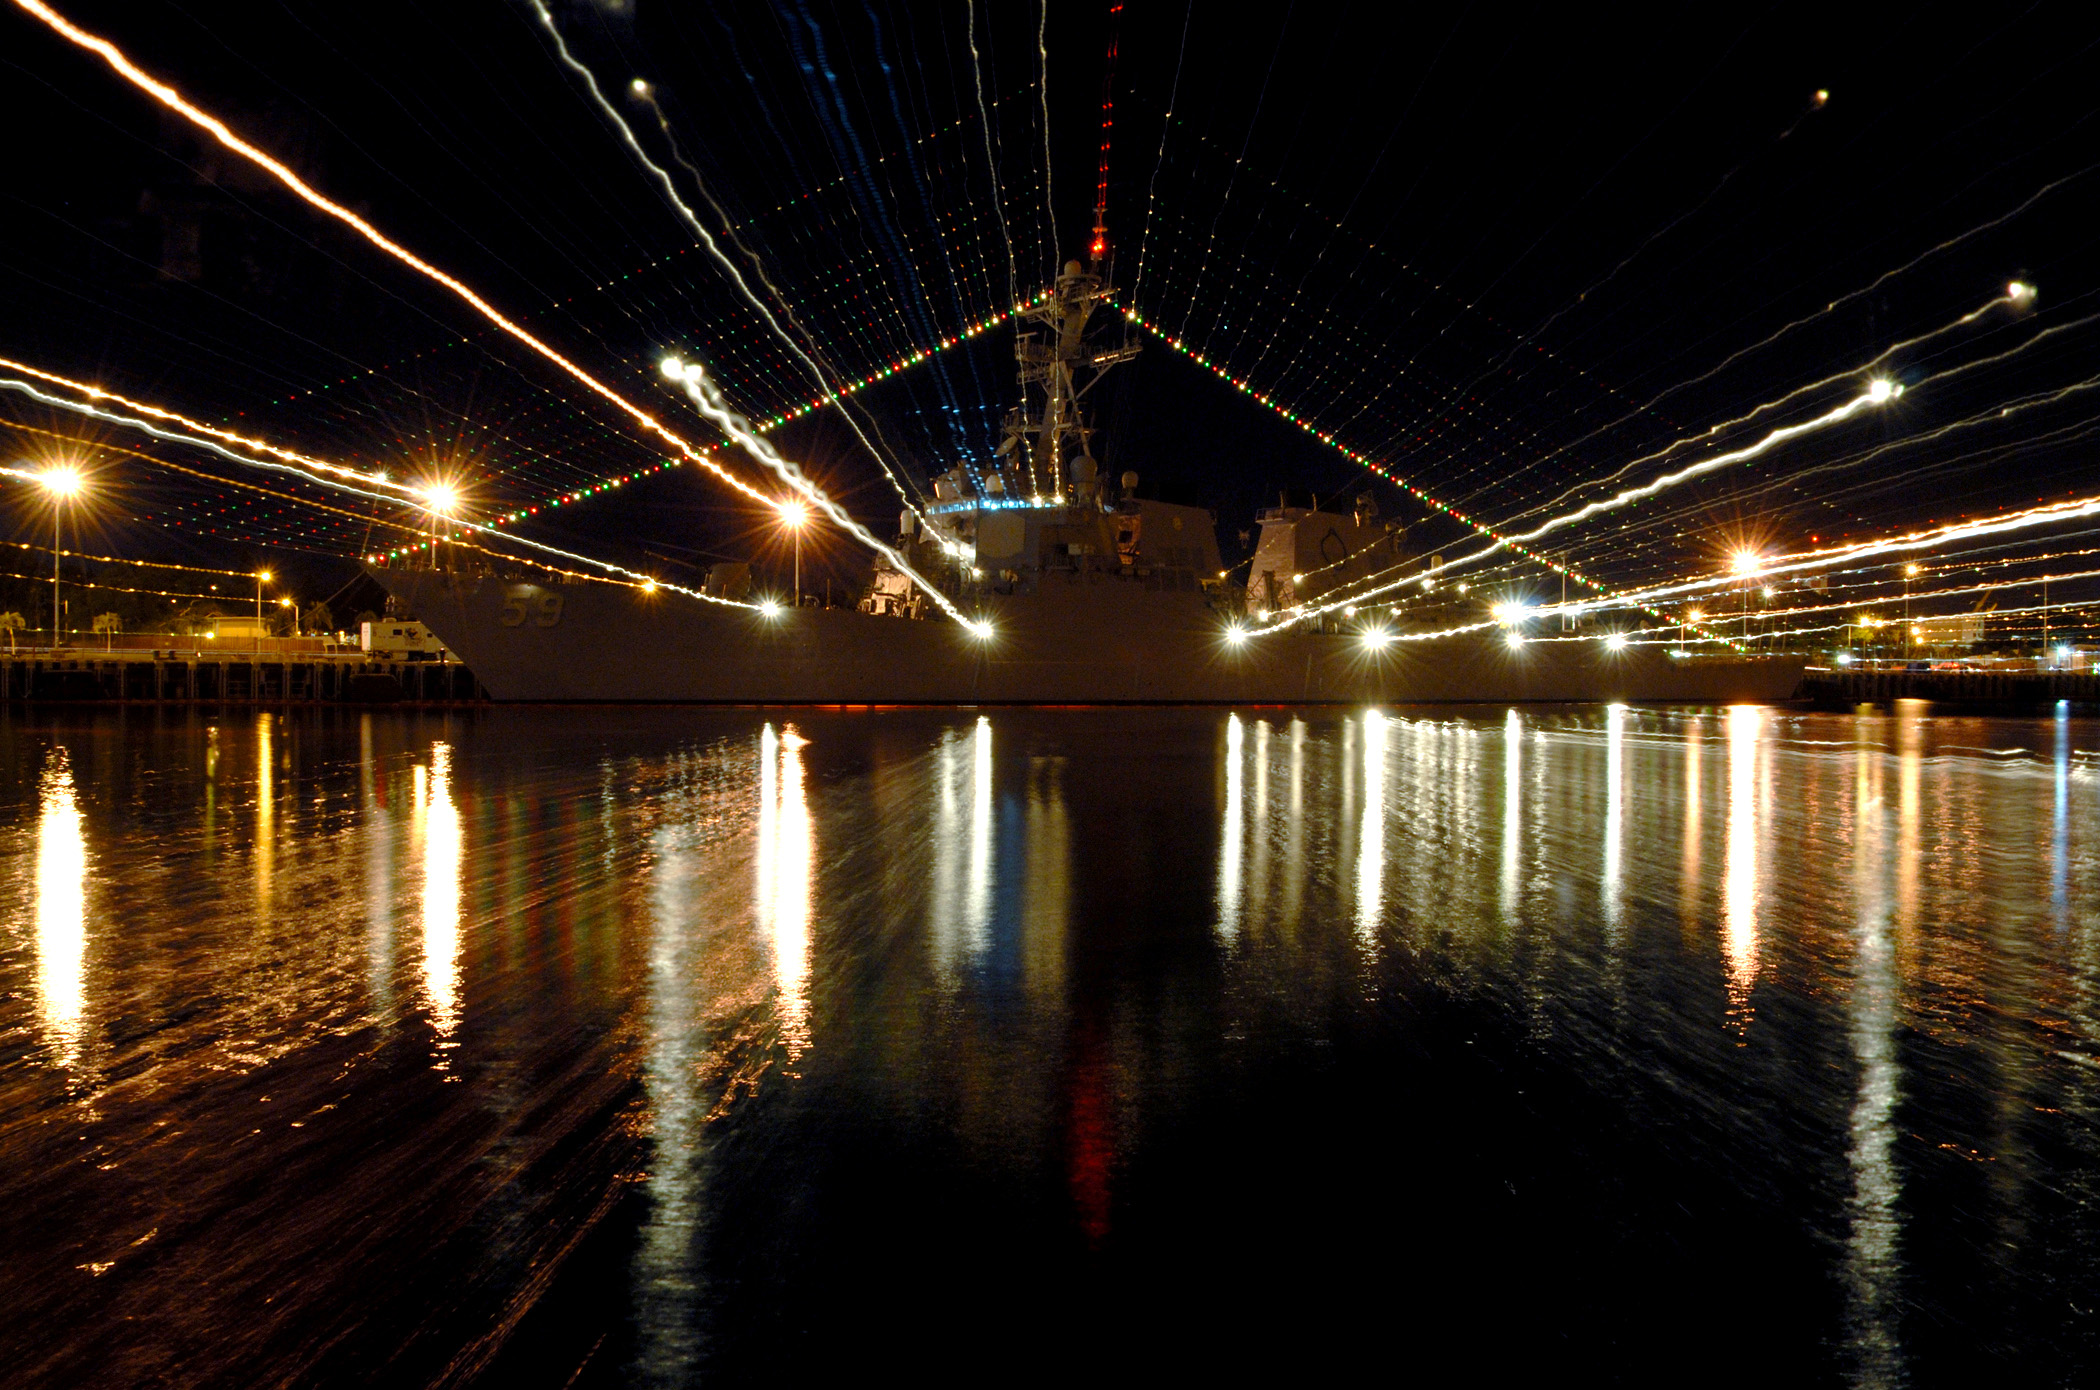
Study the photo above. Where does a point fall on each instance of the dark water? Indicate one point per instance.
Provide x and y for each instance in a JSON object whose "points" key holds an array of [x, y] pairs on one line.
{"points": [[655, 1047]]}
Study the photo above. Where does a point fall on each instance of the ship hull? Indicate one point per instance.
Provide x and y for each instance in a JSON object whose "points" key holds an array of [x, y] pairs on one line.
{"points": [[1081, 639]]}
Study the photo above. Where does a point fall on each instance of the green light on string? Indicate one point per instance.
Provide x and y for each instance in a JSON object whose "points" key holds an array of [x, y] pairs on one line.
{"points": [[1380, 470]]}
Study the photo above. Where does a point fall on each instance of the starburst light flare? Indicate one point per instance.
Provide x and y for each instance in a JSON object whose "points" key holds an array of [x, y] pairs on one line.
{"points": [[300, 465], [336, 477], [96, 393], [218, 130], [1910, 542], [703, 393], [440, 501], [1876, 394]]}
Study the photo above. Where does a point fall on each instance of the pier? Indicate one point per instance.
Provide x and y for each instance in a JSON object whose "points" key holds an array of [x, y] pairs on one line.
{"points": [[173, 676], [1974, 690]]}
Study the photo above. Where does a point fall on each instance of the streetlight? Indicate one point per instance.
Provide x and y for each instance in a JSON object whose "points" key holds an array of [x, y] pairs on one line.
{"points": [[262, 577], [794, 515], [1910, 648], [63, 484], [2044, 655], [439, 499], [1747, 564]]}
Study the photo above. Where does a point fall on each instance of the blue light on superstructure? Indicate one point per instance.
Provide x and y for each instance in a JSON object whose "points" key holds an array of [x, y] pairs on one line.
{"points": [[990, 504]]}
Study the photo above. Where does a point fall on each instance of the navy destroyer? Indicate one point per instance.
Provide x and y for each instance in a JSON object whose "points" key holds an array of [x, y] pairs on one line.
{"points": [[1079, 591]]}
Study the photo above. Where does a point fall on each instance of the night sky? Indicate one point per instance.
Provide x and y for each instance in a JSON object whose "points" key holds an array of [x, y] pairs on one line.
{"points": [[1500, 252]]}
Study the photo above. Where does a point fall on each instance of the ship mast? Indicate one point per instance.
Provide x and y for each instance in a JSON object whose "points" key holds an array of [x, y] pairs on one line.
{"points": [[1045, 445], [1046, 435]]}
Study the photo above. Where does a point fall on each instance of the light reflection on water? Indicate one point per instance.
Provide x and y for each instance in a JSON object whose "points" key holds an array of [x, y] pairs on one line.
{"points": [[1693, 815], [1046, 889], [1850, 960], [2060, 840], [1872, 1253], [1233, 842], [1512, 811], [1741, 854], [377, 878], [962, 840], [61, 910], [265, 838], [1614, 814], [786, 859], [1370, 834], [442, 857]]}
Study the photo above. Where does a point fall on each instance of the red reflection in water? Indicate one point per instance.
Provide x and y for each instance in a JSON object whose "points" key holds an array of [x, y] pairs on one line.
{"points": [[1090, 1142]]}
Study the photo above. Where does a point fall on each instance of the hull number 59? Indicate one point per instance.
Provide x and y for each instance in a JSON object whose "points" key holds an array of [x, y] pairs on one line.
{"points": [[543, 608]]}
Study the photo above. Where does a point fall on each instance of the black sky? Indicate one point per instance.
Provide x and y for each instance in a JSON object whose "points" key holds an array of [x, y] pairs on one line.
{"points": [[1403, 221]]}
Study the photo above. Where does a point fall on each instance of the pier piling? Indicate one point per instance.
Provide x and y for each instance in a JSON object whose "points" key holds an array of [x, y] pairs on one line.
{"points": [[188, 677]]}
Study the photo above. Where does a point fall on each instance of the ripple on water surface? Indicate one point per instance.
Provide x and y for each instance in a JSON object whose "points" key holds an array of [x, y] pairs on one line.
{"points": [[616, 1047]]}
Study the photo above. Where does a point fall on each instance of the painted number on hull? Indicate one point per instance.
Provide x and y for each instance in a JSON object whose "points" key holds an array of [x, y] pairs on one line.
{"points": [[545, 609]]}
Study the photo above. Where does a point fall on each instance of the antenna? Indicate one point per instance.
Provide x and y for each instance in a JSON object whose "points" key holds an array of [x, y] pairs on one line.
{"points": [[1047, 434], [1097, 248], [1044, 454]]}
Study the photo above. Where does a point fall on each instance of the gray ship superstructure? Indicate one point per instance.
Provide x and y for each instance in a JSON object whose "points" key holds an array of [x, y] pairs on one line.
{"points": [[1078, 591]]}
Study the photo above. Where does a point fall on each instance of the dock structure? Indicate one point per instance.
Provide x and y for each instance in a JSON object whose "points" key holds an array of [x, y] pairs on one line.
{"points": [[171, 676], [1976, 690]]}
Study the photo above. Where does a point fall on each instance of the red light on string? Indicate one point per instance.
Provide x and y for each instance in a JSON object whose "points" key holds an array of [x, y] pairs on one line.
{"points": [[1354, 456]]}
